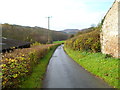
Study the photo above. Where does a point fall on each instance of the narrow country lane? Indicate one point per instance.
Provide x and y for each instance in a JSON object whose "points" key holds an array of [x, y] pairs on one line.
{"points": [[63, 72]]}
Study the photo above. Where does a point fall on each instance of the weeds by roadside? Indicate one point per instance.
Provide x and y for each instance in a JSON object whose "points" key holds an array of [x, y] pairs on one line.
{"points": [[98, 64]]}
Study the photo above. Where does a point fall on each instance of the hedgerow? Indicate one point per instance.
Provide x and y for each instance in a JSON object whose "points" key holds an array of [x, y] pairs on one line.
{"points": [[86, 42], [19, 64]]}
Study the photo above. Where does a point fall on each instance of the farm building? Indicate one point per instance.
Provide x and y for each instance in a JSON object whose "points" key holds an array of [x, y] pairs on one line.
{"points": [[10, 44], [110, 34]]}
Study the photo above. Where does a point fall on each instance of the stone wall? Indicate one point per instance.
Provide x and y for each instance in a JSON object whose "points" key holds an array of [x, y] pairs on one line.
{"points": [[110, 40], [119, 29]]}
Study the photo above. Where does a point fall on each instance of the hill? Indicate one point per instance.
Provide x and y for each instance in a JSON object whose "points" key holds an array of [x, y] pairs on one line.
{"points": [[86, 30], [70, 31], [31, 34]]}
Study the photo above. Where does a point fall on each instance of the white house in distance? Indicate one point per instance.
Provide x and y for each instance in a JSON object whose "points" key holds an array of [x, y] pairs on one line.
{"points": [[110, 34]]}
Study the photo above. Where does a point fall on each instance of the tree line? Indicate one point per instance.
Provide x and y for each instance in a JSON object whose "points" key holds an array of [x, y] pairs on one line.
{"points": [[32, 34]]}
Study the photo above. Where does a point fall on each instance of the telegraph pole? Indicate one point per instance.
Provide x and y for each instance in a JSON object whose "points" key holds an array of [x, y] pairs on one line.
{"points": [[48, 41], [48, 22]]}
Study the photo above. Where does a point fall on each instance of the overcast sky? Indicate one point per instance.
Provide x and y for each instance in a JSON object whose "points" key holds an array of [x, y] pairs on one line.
{"points": [[66, 14]]}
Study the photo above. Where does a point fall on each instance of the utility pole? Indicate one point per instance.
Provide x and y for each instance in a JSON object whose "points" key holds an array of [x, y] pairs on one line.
{"points": [[48, 41], [48, 22]]}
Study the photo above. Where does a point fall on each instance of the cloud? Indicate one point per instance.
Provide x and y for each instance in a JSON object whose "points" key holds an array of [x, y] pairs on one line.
{"points": [[65, 13]]}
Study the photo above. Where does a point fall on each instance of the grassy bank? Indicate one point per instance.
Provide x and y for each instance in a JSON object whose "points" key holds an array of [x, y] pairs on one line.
{"points": [[35, 79], [98, 64], [58, 42]]}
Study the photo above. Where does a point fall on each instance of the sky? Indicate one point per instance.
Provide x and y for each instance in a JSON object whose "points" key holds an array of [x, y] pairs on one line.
{"points": [[65, 14]]}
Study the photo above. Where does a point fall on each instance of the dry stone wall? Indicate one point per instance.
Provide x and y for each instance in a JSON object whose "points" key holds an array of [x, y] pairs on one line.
{"points": [[110, 34], [119, 29]]}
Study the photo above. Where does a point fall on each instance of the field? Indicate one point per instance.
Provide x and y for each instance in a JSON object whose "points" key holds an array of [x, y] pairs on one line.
{"points": [[58, 42], [100, 65]]}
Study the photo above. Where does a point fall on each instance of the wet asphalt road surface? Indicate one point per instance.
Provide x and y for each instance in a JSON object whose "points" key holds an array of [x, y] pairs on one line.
{"points": [[63, 72]]}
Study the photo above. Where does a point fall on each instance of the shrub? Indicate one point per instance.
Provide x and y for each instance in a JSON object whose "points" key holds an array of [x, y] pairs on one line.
{"points": [[19, 64], [89, 41], [36, 43]]}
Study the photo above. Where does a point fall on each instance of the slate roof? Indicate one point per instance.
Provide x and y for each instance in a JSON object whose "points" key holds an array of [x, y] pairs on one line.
{"points": [[12, 43]]}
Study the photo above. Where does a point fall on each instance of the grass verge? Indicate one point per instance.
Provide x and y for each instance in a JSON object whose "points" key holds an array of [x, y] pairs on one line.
{"points": [[99, 65], [58, 42], [36, 78]]}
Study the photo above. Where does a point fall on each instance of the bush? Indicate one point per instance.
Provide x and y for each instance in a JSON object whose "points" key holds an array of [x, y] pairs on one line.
{"points": [[89, 41], [19, 64]]}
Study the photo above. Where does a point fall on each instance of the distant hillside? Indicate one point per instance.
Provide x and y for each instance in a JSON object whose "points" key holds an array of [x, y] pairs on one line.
{"points": [[71, 31], [31, 34], [86, 30]]}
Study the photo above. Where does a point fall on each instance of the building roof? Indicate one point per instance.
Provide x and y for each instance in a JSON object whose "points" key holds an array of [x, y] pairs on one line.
{"points": [[10, 43]]}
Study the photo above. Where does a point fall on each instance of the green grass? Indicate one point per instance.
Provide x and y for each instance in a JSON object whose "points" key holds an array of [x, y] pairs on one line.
{"points": [[58, 41], [97, 64], [36, 78]]}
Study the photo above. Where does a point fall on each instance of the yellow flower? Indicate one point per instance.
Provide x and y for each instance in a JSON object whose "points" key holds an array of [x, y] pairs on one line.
{"points": [[6, 58], [13, 47], [15, 75], [4, 83], [23, 55], [3, 65], [12, 60]]}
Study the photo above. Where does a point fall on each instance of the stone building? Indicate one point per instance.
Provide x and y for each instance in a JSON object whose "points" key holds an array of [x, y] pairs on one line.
{"points": [[110, 34]]}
